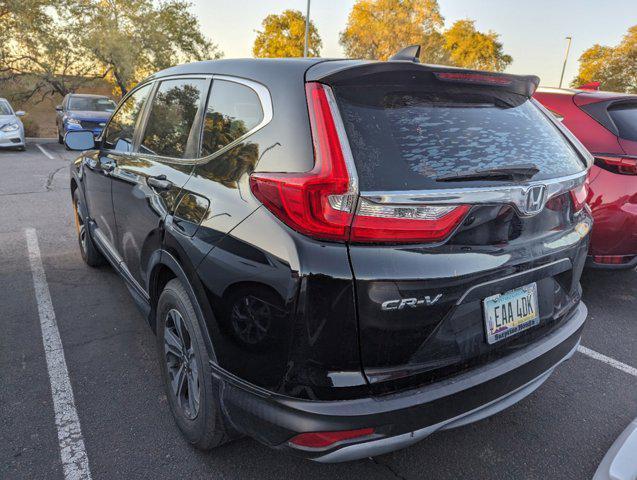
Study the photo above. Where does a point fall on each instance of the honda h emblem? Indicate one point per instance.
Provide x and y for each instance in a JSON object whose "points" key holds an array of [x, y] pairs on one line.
{"points": [[534, 199]]}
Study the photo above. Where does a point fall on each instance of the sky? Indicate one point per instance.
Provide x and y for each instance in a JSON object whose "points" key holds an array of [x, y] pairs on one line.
{"points": [[532, 31]]}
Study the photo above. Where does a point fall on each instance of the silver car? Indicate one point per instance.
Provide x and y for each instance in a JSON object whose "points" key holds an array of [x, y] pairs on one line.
{"points": [[11, 127]]}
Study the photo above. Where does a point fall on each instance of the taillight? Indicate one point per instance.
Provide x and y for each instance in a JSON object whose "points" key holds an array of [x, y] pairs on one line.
{"points": [[322, 203], [578, 195], [386, 223], [613, 259], [617, 164], [317, 203], [325, 439]]}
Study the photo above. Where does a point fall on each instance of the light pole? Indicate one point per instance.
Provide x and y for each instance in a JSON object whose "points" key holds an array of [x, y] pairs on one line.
{"points": [[568, 48], [307, 29]]}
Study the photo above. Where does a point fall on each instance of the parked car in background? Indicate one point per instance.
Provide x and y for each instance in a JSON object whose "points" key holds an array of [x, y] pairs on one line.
{"points": [[83, 112], [11, 128], [606, 123], [340, 257]]}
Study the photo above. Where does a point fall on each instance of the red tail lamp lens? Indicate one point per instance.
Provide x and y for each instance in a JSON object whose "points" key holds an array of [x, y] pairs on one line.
{"points": [[613, 259], [578, 195], [619, 164], [325, 439]]}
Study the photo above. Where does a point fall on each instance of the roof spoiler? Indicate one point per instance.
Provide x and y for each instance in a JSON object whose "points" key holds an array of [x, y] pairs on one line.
{"points": [[357, 72]]}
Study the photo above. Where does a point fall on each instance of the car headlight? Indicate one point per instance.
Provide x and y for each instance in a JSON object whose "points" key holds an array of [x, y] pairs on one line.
{"points": [[10, 127], [73, 121]]}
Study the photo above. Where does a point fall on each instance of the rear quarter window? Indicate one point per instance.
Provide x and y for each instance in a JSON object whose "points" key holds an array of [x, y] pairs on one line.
{"points": [[625, 118], [404, 139]]}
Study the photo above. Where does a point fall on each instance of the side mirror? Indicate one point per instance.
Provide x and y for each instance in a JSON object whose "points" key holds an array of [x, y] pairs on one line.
{"points": [[79, 140], [20, 113], [59, 108]]}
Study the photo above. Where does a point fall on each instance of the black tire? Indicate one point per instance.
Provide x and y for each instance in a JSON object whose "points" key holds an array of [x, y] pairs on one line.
{"points": [[90, 254], [201, 423]]}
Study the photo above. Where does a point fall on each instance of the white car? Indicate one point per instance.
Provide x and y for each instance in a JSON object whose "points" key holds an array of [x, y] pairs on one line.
{"points": [[11, 127]]}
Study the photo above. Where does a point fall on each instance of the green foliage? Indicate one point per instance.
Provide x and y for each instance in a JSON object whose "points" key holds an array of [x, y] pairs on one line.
{"points": [[377, 29], [470, 48], [68, 43], [614, 67], [284, 36], [31, 128]]}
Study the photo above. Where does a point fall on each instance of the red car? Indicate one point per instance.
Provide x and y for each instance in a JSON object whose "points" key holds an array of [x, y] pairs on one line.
{"points": [[606, 123]]}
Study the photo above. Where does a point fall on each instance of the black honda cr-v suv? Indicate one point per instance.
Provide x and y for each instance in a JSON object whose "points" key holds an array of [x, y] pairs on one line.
{"points": [[340, 257]]}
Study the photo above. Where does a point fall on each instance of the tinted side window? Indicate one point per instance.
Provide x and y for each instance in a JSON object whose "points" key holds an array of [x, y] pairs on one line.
{"points": [[169, 131], [120, 130], [233, 110], [625, 117]]}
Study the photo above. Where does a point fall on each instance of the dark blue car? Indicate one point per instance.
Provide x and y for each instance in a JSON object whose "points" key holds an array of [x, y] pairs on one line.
{"points": [[83, 112]]}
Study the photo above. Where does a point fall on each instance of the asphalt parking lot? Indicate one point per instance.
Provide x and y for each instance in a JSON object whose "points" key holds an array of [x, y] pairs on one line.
{"points": [[561, 431]]}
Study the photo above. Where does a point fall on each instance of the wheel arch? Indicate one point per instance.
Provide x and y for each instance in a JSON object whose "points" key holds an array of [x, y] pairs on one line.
{"points": [[164, 266]]}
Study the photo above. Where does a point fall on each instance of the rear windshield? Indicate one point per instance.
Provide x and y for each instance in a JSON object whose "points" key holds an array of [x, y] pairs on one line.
{"points": [[625, 117], [407, 138]]}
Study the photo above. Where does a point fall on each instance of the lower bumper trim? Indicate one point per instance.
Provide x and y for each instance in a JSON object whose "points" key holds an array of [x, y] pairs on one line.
{"points": [[385, 445]]}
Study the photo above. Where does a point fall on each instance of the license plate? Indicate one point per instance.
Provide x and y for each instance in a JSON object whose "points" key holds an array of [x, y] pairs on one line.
{"points": [[508, 313]]}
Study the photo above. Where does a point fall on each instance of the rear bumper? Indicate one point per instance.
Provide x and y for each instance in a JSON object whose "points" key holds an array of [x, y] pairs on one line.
{"points": [[399, 419]]}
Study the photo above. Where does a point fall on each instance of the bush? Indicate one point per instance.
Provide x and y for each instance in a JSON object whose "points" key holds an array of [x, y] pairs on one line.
{"points": [[31, 128]]}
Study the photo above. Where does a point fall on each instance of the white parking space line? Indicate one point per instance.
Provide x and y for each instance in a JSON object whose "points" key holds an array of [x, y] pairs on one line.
{"points": [[72, 450], [607, 360], [45, 152]]}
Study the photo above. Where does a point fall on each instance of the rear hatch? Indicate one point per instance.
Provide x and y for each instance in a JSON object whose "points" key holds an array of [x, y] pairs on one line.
{"points": [[469, 232]]}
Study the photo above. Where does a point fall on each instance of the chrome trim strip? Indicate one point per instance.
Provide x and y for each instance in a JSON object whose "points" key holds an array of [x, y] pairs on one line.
{"points": [[508, 194], [342, 137], [266, 105]]}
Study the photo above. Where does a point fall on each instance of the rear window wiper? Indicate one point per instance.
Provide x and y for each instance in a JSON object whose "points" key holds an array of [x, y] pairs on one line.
{"points": [[515, 173]]}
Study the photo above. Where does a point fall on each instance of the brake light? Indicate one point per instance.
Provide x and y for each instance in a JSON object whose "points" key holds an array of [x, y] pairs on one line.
{"points": [[321, 203], [325, 439], [578, 195], [618, 164], [480, 78]]}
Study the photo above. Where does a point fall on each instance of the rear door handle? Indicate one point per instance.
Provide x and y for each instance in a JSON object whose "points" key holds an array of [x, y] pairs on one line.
{"points": [[159, 182]]}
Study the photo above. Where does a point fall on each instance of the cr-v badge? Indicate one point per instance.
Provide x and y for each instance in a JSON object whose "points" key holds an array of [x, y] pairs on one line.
{"points": [[399, 304]]}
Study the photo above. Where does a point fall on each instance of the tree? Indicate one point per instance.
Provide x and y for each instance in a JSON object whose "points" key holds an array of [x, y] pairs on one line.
{"points": [[284, 36], [377, 29], [133, 38], [469, 48], [56, 46], [614, 67]]}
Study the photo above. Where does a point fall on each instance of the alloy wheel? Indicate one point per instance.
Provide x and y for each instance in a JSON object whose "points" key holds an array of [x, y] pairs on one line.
{"points": [[183, 372]]}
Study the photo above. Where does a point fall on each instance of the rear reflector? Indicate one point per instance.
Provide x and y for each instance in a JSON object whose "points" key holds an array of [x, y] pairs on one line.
{"points": [[321, 203], [613, 259], [325, 439], [619, 164]]}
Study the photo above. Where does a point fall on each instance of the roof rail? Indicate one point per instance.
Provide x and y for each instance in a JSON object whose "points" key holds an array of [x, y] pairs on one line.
{"points": [[407, 54]]}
